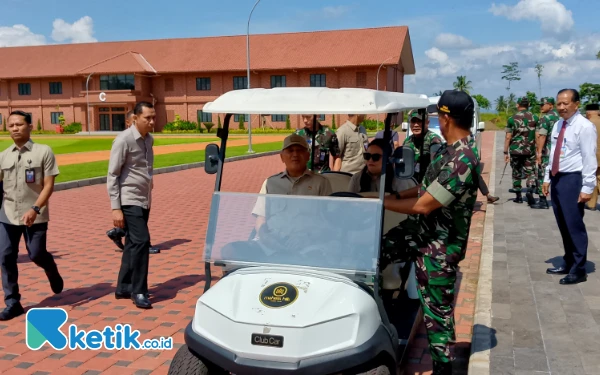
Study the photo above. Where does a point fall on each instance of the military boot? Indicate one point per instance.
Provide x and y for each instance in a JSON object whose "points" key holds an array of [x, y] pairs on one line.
{"points": [[542, 204], [519, 198], [514, 190], [530, 198], [442, 368]]}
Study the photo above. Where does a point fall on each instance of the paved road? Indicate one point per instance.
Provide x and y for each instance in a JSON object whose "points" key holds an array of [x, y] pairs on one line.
{"points": [[541, 326]]}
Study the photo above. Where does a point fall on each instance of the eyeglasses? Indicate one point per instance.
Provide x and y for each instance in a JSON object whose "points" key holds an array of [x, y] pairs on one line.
{"points": [[369, 156]]}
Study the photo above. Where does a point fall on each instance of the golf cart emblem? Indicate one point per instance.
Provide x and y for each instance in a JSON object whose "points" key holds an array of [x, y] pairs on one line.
{"points": [[278, 295]]}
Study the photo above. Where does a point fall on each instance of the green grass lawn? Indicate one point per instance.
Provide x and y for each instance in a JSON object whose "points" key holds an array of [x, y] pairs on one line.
{"points": [[71, 145], [99, 168]]}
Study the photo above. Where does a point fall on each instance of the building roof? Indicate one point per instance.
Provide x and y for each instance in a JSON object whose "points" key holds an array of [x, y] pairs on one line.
{"points": [[338, 48]]}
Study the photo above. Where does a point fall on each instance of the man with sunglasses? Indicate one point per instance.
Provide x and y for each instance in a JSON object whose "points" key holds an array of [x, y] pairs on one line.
{"points": [[436, 232], [421, 139]]}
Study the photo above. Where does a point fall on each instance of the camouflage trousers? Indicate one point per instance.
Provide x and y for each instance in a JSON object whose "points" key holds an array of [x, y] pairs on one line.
{"points": [[523, 166], [436, 280], [540, 173]]}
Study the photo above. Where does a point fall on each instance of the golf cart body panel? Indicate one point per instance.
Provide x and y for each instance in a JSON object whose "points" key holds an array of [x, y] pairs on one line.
{"points": [[301, 296]]}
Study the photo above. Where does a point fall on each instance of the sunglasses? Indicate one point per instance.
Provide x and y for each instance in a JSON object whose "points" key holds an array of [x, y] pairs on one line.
{"points": [[369, 156]]}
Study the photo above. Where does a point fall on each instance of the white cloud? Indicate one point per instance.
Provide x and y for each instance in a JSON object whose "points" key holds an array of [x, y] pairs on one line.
{"points": [[335, 12], [80, 31], [19, 35], [553, 16], [452, 41], [436, 55]]}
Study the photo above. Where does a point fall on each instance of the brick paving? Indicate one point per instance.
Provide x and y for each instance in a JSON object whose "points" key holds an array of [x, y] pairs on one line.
{"points": [[89, 265], [538, 325]]}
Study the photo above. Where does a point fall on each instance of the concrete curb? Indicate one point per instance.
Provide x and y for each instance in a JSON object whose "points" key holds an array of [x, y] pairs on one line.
{"points": [[175, 168], [479, 361]]}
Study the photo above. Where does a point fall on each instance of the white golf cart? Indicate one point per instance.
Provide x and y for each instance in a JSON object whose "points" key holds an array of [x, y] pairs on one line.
{"points": [[312, 306], [477, 127]]}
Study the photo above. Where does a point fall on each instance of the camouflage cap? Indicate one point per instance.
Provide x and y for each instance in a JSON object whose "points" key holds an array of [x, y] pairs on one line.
{"points": [[294, 139], [547, 100], [414, 114], [523, 101]]}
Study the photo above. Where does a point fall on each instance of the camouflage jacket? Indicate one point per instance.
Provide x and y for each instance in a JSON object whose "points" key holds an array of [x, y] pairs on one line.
{"points": [[545, 127], [415, 144], [326, 143], [452, 179], [522, 126]]}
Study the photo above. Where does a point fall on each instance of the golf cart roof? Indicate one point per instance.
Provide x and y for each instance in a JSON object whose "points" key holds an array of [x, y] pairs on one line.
{"points": [[314, 100]]}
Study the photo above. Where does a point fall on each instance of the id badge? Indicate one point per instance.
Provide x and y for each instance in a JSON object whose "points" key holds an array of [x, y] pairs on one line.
{"points": [[322, 158], [30, 176], [563, 150], [417, 168]]}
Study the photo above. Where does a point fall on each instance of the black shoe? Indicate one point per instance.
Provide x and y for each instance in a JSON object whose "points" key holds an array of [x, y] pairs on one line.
{"points": [[557, 271], [530, 199], [141, 301], [442, 368], [116, 234], [492, 199], [154, 250], [542, 204], [573, 279], [518, 199], [588, 208], [56, 281], [122, 295], [513, 190], [12, 312]]}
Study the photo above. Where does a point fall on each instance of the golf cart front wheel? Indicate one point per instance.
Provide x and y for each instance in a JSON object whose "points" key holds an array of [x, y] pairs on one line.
{"points": [[186, 363], [381, 370]]}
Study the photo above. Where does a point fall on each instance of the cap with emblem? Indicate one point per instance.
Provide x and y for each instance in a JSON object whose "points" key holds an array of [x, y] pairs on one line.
{"points": [[547, 100], [524, 101], [294, 139], [592, 107], [457, 104], [415, 114]]}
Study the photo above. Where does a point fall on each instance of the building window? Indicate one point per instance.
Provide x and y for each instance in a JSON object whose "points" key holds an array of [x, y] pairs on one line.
{"points": [[169, 84], [361, 79], [240, 83], [236, 118], [278, 118], [0, 118], [204, 117], [24, 88], [117, 82], [277, 81], [203, 84], [321, 118], [318, 80], [54, 117], [55, 88]]}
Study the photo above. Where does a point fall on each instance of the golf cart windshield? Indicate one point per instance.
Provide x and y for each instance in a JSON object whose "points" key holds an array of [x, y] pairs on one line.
{"points": [[336, 234]]}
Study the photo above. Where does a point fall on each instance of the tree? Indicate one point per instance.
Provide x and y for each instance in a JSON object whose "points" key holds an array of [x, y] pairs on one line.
{"points": [[439, 93], [482, 101], [589, 93], [501, 104], [534, 105], [462, 84], [511, 73], [598, 55], [538, 69], [511, 104]]}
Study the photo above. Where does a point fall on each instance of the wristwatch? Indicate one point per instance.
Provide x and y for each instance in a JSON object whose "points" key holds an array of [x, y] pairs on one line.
{"points": [[36, 209]]}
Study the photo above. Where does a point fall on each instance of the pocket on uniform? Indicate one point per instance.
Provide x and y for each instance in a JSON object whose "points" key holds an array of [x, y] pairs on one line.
{"points": [[8, 170]]}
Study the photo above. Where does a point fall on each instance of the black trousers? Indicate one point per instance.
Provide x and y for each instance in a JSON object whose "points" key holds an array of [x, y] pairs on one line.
{"points": [[565, 189], [483, 186], [133, 275], [35, 242]]}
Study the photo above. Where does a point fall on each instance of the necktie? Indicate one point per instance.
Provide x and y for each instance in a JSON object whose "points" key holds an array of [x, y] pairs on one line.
{"points": [[559, 142]]}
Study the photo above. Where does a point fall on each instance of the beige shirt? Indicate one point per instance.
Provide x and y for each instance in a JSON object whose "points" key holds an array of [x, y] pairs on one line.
{"points": [[20, 196], [397, 184], [308, 184], [130, 169], [352, 142]]}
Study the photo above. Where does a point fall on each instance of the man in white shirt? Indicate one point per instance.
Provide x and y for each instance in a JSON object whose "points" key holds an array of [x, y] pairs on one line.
{"points": [[571, 175]]}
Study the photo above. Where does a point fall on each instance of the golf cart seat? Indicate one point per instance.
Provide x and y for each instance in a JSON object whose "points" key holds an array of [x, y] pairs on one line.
{"points": [[339, 180]]}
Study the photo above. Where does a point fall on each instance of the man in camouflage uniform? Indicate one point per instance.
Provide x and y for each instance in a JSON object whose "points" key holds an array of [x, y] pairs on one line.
{"points": [[544, 143], [421, 137], [325, 144], [436, 231], [519, 149]]}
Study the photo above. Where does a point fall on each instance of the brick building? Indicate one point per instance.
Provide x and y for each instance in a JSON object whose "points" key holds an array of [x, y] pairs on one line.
{"points": [[180, 75]]}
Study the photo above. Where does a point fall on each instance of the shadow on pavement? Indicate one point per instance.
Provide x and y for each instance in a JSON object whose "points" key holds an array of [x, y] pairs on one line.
{"points": [[77, 296], [24, 257], [557, 261], [168, 290], [167, 245]]}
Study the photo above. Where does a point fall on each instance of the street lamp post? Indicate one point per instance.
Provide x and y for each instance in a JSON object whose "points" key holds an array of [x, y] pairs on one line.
{"points": [[87, 95], [250, 151], [378, 83]]}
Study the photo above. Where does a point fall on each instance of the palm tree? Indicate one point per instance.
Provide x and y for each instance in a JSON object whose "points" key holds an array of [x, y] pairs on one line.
{"points": [[462, 84], [500, 104], [439, 93]]}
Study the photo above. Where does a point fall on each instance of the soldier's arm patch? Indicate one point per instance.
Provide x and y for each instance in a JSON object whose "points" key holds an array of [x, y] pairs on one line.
{"points": [[453, 180]]}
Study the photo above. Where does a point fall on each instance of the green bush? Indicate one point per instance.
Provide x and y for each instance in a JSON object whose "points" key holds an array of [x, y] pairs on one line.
{"points": [[333, 127], [72, 128], [182, 125], [241, 123], [209, 126], [370, 124], [39, 125], [3, 124], [288, 124]]}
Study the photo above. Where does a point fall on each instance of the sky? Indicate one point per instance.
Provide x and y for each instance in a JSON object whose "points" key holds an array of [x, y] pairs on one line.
{"points": [[449, 38]]}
